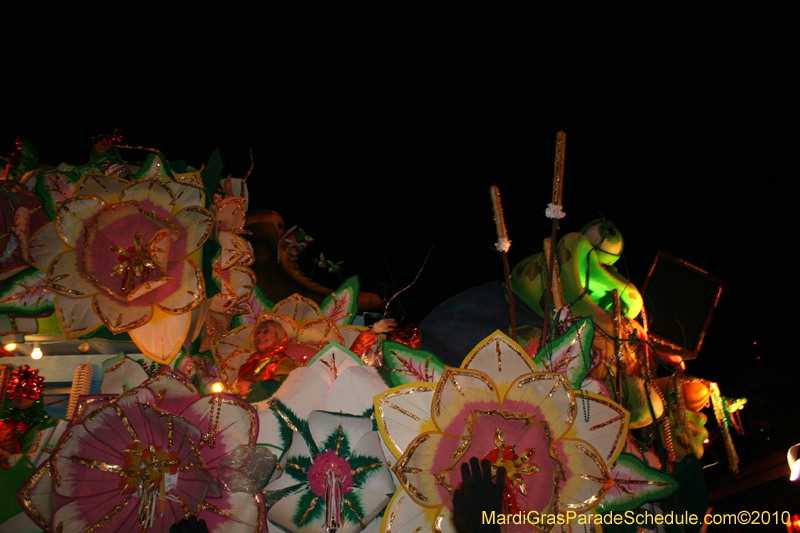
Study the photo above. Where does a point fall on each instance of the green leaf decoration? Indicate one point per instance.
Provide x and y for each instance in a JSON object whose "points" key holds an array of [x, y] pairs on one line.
{"points": [[338, 441], [155, 166], [570, 353], [297, 467], [355, 511], [25, 294], [342, 306], [363, 468], [308, 510], [635, 484], [287, 419], [408, 365], [252, 307], [55, 186], [211, 173]]}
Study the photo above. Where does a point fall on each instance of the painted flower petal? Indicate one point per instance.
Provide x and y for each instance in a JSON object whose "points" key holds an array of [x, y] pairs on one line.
{"points": [[78, 515], [121, 316], [635, 484], [602, 422], [570, 353], [457, 394], [73, 215], [64, 277], [151, 195], [403, 413], [353, 392], [500, 358], [404, 515], [408, 365], [107, 188], [173, 390], [162, 336], [231, 214], [194, 225], [320, 332], [548, 397], [36, 497], [298, 308], [333, 360], [234, 250], [235, 283], [282, 415], [587, 479], [187, 189], [120, 374], [342, 305], [186, 292], [76, 316], [427, 454], [235, 425], [45, 245], [235, 512]]}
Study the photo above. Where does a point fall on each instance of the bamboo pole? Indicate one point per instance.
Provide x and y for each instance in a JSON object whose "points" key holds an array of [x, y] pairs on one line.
{"points": [[503, 245], [554, 211]]}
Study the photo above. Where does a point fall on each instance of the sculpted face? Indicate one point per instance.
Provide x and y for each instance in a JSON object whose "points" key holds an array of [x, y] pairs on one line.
{"points": [[268, 335]]}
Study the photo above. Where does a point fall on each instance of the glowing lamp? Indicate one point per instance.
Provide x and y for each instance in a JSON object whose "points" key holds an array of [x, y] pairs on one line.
{"points": [[10, 347], [217, 387], [36, 353]]}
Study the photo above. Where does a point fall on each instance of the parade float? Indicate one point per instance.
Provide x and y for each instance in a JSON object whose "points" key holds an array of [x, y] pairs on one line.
{"points": [[204, 374]]}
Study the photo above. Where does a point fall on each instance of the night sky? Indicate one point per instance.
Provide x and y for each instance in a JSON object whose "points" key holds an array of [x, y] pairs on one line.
{"points": [[379, 129]]}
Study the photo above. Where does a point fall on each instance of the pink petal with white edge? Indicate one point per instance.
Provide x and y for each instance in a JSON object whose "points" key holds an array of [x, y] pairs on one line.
{"points": [[231, 214], [176, 391], [45, 245], [586, 476], [162, 336], [151, 195], [76, 316], [457, 394], [235, 512], [72, 217], [402, 414], [64, 276], [234, 250], [116, 515], [548, 396], [186, 292], [107, 188], [236, 425], [36, 497], [500, 358], [602, 422], [187, 189], [236, 283], [195, 225], [122, 316], [427, 454]]}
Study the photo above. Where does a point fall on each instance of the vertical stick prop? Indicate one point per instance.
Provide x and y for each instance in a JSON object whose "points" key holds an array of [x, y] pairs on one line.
{"points": [[554, 212], [503, 245]]}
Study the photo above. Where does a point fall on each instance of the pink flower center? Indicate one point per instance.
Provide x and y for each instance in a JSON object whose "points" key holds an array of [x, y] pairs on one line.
{"points": [[135, 262], [517, 468], [325, 463], [146, 467]]}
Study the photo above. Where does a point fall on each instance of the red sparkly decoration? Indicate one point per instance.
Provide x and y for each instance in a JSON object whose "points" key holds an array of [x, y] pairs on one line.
{"points": [[26, 383], [112, 139], [409, 336]]}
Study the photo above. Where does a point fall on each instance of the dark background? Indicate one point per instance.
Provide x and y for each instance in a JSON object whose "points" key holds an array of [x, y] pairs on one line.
{"points": [[378, 128]]}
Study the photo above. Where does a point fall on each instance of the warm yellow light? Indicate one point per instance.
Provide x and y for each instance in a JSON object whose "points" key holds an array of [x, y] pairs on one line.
{"points": [[10, 347], [36, 353], [706, 441], [217, 387]]}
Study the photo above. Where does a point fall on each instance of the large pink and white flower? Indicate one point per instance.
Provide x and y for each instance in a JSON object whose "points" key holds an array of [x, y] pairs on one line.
{"points": [[145, 459], [555, 443], [126, 255]]}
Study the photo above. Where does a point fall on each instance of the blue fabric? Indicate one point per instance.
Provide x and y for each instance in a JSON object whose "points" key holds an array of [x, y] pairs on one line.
{"points": [[461, 322]]}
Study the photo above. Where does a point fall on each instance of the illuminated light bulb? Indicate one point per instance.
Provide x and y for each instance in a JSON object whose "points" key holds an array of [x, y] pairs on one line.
{"points": [[84, 347], [706, 441], [10, 347], [217, 387], [36, 353]]}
